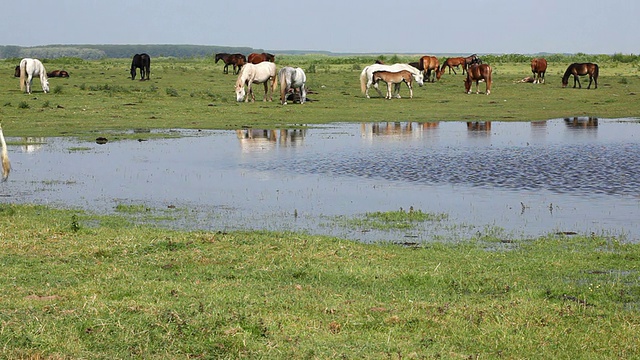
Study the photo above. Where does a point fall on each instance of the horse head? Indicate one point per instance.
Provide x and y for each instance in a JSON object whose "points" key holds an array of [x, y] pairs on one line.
{"points": [[419, 78], [240, 93], [45, 84]]}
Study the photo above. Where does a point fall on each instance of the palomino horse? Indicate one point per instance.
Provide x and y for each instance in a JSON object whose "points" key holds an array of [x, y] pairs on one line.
{"points": [[366, 76], [476, 73], [236, 60], [256, 74], [142, 62], [30, 68], [580, 69], [58, 73], [392, 78], [292, 79], [4, 155], [538, 68], [429, 64], [256, 58]]}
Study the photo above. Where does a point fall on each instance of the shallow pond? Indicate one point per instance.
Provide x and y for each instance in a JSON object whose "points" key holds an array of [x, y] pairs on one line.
{"points": [[510, 179]]}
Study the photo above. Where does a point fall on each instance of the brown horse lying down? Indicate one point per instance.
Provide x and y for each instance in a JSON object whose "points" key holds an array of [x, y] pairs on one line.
{"points": [[58, 73], [392, 78], [477, 73]]}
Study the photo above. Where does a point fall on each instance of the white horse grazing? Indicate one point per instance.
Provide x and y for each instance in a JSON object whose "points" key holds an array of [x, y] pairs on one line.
{"points": [[30, 68], [4, 154], [366, 76], [292, 78], [256, 74]]}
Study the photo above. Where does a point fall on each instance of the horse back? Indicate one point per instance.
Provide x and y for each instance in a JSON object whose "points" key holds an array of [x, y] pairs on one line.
{"points": [[478, 72]]}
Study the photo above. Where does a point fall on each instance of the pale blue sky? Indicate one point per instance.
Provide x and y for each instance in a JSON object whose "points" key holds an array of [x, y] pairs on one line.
{"points": [[374, 26]]}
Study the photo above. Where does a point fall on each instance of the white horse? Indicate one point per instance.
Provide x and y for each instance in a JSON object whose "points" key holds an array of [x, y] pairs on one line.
{"points": [[292, 78], [4, 155], [366, 76], [30, 68], [256, 74]]}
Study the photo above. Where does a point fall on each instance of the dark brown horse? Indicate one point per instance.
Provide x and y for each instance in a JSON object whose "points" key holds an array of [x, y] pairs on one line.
{"points": [[538, 68], [17, 72], [256, 58], [580, 69], [471, 59], [142, 62], [236, 60], [476, 73], [58, 73], [429, 64]]}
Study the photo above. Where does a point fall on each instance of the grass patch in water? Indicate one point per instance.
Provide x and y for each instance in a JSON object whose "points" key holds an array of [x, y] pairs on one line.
{"points": [[392, 220]]}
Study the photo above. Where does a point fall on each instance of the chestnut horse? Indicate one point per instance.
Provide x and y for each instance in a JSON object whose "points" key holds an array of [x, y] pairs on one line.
{"points": [[476, 73], [237, 60], [428, 64], [580, 69], [256, 58], [451, 63], [538, 68], [392, 78]]}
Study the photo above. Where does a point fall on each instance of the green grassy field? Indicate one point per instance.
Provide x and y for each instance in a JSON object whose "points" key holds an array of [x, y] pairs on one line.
{"points": [[82, 286], [100, 97]]}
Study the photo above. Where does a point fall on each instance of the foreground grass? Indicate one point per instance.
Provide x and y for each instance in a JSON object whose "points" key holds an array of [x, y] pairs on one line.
{"points": [[99, 98], [79, 286]]}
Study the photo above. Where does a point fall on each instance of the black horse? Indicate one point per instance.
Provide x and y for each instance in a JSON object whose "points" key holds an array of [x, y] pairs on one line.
{"points": [[143, 62]]}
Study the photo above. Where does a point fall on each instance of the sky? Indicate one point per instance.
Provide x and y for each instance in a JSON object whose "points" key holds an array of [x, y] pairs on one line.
{"points": [[341, 26]]}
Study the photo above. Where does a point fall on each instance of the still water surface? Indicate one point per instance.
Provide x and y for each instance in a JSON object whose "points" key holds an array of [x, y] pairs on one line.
{"points": [[509, 178]]}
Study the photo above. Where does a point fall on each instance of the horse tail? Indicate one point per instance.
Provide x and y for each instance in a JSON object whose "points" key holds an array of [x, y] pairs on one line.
{"points": [[596, 70], [23, 74], [363, 80], [274, 82]]}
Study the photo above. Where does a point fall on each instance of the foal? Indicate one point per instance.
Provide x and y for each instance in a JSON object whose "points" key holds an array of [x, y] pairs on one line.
{"points": [[393, 78]]}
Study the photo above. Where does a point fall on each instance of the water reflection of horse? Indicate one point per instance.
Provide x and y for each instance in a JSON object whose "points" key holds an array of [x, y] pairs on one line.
{"points": [[366, 76], [538, 68], [292, 79], [392, 78], [30, 68], [261, 73], [479, 125], [581, 69], [581, 122], [429, 64], [265, 139], [236, 60], [255, 58], [477, 73], [142, 62]]}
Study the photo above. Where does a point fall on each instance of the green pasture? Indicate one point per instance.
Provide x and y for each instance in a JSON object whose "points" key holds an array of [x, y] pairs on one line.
{"points": [[100, 97], [79, 286]]}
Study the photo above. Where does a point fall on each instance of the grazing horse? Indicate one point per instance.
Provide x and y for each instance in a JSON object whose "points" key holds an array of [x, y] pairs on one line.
{"points": [[366, 76], [237, 60], [17, 71], [58, 73], [538, 68], [476, 73], [4, 154], [429, 64], [256, 58], [30, 68], [292, 79], [452, 63], [256, 74], [392, 78], [580, 69], [142, 62]]}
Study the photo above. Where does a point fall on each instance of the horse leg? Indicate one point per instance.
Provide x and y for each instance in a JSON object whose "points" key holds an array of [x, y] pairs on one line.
{"points": [[266, 90], [410, 89], [477, 87], [303, 94], [388, 91], [576, 78], [590, 80], [375, 86], [29, 81], [397, 90]]}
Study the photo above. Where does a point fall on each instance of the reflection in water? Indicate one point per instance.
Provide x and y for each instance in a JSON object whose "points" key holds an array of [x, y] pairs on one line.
{"points": [[581, 122], [479, 126], [527, 178], [32, 144], [260, 139]]}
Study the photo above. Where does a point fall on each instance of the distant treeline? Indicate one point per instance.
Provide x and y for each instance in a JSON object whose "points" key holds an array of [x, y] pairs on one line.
{"points": [[95, 52]]}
